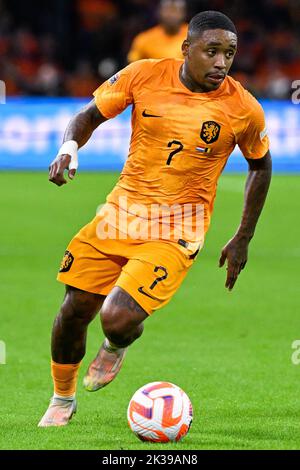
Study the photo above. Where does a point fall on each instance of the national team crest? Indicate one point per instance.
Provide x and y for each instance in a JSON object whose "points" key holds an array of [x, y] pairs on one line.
{"points": [[66, 262], [210, 131]]}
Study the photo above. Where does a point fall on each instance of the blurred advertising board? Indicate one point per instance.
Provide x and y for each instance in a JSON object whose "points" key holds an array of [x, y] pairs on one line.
{"points": [[31, 132]]}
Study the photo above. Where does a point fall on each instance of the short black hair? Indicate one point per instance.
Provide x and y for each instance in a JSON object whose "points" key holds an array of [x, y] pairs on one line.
{"points": [[210, 20]]}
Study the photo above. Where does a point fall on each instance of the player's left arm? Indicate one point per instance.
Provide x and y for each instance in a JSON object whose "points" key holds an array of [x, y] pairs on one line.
{"points": [[252, 139], [257, 185]]}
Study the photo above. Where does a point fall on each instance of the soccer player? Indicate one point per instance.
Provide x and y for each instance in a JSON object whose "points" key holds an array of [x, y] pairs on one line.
{"points": [[165, 39], [187, 117]]}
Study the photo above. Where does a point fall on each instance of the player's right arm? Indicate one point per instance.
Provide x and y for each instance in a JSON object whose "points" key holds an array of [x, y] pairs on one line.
{"points": [[111, 98], [78, 132]]}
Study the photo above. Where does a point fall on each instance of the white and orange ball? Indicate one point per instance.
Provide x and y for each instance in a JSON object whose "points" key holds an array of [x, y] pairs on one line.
{"points": [[160, 412]]}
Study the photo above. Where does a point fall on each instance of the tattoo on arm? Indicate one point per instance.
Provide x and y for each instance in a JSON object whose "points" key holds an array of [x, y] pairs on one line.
{"points": [[125, 300], [83, 124]]}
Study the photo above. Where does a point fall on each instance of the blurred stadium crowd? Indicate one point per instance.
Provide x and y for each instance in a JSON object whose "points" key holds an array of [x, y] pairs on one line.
{"points": [[68, 47]]}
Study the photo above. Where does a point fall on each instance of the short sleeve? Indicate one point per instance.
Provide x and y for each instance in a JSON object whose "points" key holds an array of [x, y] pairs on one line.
{"points": [[114, 95], [253, 140]]}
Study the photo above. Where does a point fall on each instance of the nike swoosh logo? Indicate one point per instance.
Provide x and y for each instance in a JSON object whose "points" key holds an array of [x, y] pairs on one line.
{"points": [[141, 290], [150, 115]]}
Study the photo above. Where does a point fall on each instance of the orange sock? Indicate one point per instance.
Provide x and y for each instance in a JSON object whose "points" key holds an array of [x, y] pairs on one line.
{"points": [[64, 378]]}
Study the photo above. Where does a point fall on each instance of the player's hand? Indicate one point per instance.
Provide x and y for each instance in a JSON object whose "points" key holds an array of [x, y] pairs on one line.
{"points": [[236, 253], [57, 168]]}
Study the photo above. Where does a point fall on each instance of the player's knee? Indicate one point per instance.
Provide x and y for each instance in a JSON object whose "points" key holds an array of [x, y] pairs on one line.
{"points": [[79, 305], [118, 325], [115, 324]]}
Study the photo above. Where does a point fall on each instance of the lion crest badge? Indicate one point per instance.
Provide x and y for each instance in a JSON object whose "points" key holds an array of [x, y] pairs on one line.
{"points": [[67, 262], [210, 132]]}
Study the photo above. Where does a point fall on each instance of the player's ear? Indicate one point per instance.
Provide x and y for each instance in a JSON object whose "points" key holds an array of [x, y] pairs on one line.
{"points": [[185, 47]]}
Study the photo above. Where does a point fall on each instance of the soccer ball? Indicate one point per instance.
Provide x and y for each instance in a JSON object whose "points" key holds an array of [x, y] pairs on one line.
{"points": [[160, 412]]}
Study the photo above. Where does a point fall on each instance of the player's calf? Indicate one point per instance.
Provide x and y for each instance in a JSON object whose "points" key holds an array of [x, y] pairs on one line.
{"points": [[122, 322], [68, 348], [70, 326]]}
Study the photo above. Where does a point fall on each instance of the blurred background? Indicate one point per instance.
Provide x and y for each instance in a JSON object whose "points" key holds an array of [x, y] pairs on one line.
{"points": [[55, 49], [241, 380], [68, 47]]}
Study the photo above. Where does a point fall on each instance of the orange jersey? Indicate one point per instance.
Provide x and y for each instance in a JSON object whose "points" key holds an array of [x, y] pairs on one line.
{"points": [[156, 44], [180, 140]]}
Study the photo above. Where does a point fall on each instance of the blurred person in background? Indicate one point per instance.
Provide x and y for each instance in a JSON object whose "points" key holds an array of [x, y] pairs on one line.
{"points": [[46, 46], [83, 81], [165, 39]]}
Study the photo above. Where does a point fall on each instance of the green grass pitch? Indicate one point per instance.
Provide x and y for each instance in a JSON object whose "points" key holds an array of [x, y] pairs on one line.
{"points": [[230, 351]]}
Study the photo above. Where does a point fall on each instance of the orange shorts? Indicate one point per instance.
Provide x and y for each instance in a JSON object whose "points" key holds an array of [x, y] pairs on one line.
{"points": [[149, 271]]}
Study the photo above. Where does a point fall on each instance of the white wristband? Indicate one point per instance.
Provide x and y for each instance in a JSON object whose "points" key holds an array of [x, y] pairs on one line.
{"points": [[70, 147]]}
